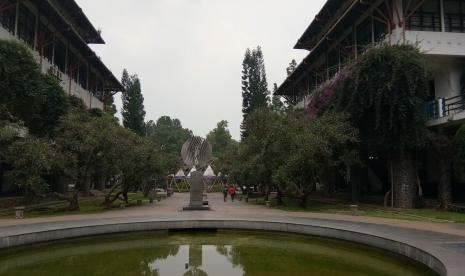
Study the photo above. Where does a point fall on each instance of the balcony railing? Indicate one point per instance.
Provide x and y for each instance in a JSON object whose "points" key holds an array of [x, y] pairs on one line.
{"points": [[444, 107]]}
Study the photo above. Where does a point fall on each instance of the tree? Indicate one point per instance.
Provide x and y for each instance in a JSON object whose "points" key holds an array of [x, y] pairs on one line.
{"points": [[315, 145], [219, 138], [169, 136], [36, 99], [31, 159], [262, 150], [133, 104], [255, 92], [89, 144], [441, 148], [386, 107], [110, 106], [276, 103], [140, 167]]}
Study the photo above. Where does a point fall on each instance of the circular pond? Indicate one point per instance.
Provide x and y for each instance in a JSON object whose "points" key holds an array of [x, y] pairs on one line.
{"points": [[204, 253]]}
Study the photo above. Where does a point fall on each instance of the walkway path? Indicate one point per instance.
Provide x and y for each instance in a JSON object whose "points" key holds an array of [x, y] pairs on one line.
{"points": [[443, 240]]}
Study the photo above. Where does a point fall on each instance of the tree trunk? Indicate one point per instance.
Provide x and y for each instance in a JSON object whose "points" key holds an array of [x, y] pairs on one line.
{"points": [[125, 196], [73, 200], [303, 201], [85, 185], [404, 176], [444, 183], [328, 179], [100, 181], [354, 183], [279, 196]]}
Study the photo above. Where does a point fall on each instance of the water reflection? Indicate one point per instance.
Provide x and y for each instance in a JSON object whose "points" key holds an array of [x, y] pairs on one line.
{"points": [[224, 254], [198, 260]]}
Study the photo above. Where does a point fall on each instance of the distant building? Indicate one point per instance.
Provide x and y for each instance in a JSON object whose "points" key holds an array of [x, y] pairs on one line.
{"points": [[342, 30], [59, 32]]}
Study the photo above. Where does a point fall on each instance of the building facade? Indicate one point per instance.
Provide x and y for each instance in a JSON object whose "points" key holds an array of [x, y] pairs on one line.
{"points": [[342, 30], [59, 34]]}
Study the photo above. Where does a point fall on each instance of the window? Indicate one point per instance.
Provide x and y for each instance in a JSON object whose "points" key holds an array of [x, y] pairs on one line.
{"points": [[380, 27], [83, 76], [346, 49], [454, 16], [426, 17], [380, 30], [48, 52], [333, 63], [60, 55], [364, 35], [26, 26], [8, 18]]}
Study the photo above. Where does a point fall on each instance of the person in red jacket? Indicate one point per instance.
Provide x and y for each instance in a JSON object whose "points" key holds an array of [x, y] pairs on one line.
{"points": [[232, 192]]}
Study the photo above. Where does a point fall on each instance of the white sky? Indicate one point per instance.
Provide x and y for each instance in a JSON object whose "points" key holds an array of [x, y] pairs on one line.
{"points": [[188, 53]]}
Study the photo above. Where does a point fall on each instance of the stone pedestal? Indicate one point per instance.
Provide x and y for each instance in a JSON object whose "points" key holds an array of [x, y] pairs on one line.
{"points": [[19, 212], [196, 193]]}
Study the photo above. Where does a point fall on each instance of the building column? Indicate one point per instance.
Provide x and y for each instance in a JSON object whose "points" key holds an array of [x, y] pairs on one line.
{"points": [[398, 33], [17, 18], [443, 24], [53, 49], [36, 31]]}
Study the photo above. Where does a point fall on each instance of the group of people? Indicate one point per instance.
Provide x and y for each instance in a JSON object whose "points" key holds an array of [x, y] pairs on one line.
{"points": [[231, 190]]}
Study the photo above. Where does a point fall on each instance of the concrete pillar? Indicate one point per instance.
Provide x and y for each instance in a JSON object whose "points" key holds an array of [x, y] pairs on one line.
{"points": [[398, 32]]}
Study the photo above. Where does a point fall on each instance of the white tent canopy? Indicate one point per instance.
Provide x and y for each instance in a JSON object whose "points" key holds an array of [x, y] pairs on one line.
{"points": [[209, 173], [192, 170], [180, 174]]}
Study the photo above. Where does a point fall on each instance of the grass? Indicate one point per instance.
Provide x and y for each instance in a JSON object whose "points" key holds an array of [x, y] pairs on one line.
{"points": [[89, 205], [343, 208]]}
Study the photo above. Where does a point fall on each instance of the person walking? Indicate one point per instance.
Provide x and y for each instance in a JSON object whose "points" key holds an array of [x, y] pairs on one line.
{"points": [[232, 192], [225, 193]]}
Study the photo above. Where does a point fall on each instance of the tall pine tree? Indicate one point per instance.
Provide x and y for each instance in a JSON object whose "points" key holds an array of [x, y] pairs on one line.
{"points": [[133, 104], [255, 93]]}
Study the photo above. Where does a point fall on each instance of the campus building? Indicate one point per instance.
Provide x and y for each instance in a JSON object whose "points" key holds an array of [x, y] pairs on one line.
{"points": [[59, 33], [342, 30]]}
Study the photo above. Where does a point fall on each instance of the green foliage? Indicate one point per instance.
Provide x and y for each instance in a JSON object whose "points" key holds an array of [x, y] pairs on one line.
{"points": [[88, 139], [325, 142], [220, 138], [290, 151], [36, 99], [168, 135], [255, 92], [110, 106], [142, 165], [276, 103], [31, 160], [133, 104], [384, 92]]}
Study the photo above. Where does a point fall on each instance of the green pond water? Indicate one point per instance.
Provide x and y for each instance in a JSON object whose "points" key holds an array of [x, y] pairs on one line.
{"points": [[222, 253]]}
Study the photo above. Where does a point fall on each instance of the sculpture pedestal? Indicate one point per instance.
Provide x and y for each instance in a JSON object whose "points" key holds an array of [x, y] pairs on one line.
{"points": [[196, 193]]}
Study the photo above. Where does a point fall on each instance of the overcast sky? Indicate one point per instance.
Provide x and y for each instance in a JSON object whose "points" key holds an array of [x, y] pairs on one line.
{"points": [[188, 53]]}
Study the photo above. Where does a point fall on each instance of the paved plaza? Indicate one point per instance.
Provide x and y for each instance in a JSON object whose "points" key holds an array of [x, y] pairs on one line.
{"points": [[444, 241]]}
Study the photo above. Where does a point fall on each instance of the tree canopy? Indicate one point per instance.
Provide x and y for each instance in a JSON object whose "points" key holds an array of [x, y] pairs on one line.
{"points": [[169, 136], [220, 138], [36, 99], [133, 111], [387, 107], [255, 93]]}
